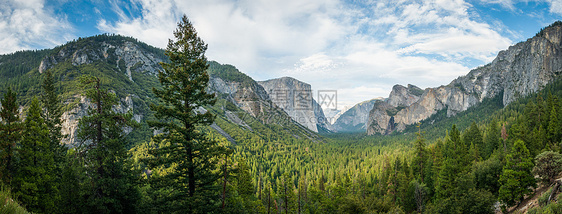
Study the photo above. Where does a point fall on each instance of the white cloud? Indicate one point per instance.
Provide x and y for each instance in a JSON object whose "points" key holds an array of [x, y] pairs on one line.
{"points": [[555, 6], [154, 25], [27, 24], [508, 4], [331, 44]]}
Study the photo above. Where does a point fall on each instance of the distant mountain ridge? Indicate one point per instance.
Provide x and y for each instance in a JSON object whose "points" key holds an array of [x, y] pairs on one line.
{"points": [[296, 98], [355, 118], [522, 69], [128, 68]]}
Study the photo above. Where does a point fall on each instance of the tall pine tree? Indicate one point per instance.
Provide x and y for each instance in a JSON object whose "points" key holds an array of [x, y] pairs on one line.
{"points": [[180, 113], [516, 179], [35, 181], [52, 115], [10, 129], [112, 186], [491, 140]]}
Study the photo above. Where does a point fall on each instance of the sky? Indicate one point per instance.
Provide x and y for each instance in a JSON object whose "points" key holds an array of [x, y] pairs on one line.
{"points": [[358, 48]]}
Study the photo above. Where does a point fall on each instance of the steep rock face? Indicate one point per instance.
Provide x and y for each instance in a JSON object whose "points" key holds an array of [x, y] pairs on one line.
{"points": [[379, 117], [70, 118], [355, 119], [251, 98], [296, 98], [522, 69], [125, 55], [402, 96], [121, 54]]}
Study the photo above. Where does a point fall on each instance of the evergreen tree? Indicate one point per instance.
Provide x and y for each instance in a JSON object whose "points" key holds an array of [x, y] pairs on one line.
{"points": [[268, 199], [554, 128], [35, 180], [245, 188], [516, 179], [70, 190], [52, 115], [486, 174], [286, 194], [454, 164], [301, 195], [419, 163], [244, 180], [491, 140], [548, 166], [112, 186], [10, 128], [183, 96], [473, 153], [473, 136]]}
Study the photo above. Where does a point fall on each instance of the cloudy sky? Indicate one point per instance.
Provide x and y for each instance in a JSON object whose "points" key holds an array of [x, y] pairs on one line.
{"points": [[359, 48]]}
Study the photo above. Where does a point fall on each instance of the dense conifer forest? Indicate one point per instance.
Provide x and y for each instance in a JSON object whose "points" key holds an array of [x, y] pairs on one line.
{"points": [[487, 159]]}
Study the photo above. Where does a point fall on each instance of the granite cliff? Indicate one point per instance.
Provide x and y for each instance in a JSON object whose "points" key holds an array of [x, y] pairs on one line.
{"points": [[129, 68], [296, 98], [521, 69], [355, 118]]}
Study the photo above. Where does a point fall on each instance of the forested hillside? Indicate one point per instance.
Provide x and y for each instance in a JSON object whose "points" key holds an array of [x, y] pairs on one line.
{"points": [[150, 139]]}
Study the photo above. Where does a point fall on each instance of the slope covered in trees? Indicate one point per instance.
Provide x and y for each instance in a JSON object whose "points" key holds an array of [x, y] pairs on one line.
{"points": [[469, 163]]}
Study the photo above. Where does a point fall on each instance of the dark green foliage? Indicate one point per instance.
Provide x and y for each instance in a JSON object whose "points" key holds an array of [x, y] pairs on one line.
{"points": [[287, 199], [421, 158], [477, 201], [516, 179], [34, 182], [541, 32], [7, 203], [18, 71], [486, 174], [112, 186], [279, 161], [244, 180], [70, 186], [228, 73], [52, 113], [491, 140], [194, 155], [472, 137], [10, 128], [454, 164], [548, 166]]}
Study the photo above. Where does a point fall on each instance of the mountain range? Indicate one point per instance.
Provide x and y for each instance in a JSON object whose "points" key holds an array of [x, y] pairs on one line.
{"points": [[522, 69], [128, 67]]}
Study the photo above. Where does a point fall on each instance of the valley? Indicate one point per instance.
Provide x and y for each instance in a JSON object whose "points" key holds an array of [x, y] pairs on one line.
{"points": [[471, 146]]}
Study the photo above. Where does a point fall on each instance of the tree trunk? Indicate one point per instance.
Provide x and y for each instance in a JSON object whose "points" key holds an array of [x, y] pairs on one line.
{"points": [[224, 183], [190, 171], [554, 190]]}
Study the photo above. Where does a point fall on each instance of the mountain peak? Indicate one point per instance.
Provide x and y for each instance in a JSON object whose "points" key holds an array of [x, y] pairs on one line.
{"points": [[125, 53], [522, 69]]}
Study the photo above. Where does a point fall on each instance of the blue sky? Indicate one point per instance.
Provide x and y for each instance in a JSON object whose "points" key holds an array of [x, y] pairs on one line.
{"points": [[359, 48]]}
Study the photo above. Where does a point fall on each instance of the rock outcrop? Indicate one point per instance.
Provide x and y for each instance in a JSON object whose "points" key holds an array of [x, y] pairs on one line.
{"points": [[355, 119], [404, 96], [125, 55], [522, 69], [251, 98], [296, 98], [70, 118], [121, 54]]}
